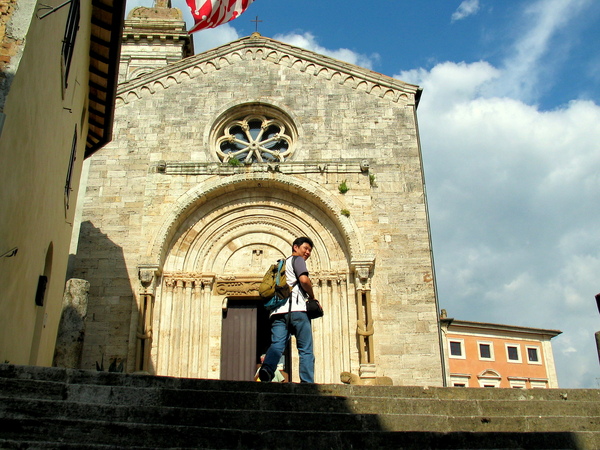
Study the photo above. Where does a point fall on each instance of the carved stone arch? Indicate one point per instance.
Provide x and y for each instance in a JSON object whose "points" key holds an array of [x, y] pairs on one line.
{"points": [[183, 76], [235, 57], [311, 69], [266, 218], [272, 56], [337, 77], [171, 81], [324, 72], [131, 97], [146, 91], [298, 64], [197, 70], [285, 60], [376, 90], [139, 72], [224, 61], [349, 81], [184, 213], [158, 86], [210, 66], [391, 95], [362, 86]]}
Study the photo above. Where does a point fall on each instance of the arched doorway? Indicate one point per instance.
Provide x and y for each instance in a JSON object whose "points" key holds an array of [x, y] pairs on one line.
{"points": [[217, 257]]}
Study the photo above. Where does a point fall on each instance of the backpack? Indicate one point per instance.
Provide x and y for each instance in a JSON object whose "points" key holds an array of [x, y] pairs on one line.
{"points": [[274, 288]]}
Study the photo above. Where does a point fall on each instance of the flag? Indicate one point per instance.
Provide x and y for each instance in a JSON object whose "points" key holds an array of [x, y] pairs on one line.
{"points": [[212, 13]]}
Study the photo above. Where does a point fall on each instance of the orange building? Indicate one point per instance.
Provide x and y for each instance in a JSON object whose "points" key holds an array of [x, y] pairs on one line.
{"points": [[493, 355]]}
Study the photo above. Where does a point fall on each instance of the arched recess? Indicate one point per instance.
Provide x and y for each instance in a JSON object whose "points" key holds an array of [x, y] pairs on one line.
{"points": [[274, 185], [216, 249]]}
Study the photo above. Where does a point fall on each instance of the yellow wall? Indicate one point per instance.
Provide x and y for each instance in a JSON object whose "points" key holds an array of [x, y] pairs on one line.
{"points": [[35, 148]]}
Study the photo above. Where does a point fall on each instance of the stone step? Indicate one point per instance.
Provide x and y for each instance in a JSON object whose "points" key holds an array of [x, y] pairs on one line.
{"points": [[87, 377], [249, 419], [206, 399], [53, 433], [58, 408]]}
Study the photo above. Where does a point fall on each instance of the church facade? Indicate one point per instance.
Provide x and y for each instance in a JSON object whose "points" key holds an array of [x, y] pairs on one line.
{"points": [[218, 162]]}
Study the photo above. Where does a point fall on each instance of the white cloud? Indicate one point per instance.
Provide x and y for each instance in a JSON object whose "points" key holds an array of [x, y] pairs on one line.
{"points": [[308, 41], [465, 9], [542, 41], [512, 196], [214, 37]]}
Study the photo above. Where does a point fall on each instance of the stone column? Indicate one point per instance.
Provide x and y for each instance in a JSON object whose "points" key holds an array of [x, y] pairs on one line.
{"points": [[206, 370], [364, 324], [147, 275], [71, 329]]}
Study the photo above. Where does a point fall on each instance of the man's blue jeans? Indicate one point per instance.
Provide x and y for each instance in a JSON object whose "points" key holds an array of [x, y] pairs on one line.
{"points": [[299, 327]]}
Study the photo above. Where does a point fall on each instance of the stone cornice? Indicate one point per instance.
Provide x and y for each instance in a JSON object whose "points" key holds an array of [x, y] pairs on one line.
{"points": [[202, 168], [257, 47]]}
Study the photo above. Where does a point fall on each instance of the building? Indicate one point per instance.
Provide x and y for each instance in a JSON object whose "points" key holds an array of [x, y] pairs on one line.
{"points": [[494, 355], [218, 162], [58, 80]]}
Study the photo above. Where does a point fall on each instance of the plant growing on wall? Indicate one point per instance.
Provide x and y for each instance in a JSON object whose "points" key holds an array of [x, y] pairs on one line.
{"points": [[343, 187], [345, 212], [372, 179], [234, 162]]}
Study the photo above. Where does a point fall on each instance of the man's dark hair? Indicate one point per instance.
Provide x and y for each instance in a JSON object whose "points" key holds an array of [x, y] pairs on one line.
{"points": [[301, 240]]}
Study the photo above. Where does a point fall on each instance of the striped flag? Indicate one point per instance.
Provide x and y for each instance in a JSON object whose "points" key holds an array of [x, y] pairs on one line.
{"points": [[212, 13]]}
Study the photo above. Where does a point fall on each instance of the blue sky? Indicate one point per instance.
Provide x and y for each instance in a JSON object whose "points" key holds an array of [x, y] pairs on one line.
{"points": [[510, 133]]}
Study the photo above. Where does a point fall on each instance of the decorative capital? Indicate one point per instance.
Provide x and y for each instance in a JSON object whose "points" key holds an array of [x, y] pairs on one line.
{"points": [[363, 267], [147, 274]]}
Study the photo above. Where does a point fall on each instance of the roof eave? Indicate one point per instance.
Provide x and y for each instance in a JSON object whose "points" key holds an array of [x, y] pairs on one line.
{"points": [[105, 49]]}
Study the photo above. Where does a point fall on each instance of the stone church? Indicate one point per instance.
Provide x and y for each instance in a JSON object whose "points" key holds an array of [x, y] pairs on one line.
{"points": [[218, 162]]}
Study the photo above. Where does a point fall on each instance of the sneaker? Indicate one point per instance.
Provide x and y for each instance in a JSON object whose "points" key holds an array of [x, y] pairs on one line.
{"points": [[265, 375]]}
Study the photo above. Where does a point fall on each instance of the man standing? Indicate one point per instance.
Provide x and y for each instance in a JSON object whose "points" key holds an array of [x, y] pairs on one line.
{"points": [[291, 318]]}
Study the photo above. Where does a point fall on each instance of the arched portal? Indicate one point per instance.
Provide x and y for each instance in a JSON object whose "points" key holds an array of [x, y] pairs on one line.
{"points": [[217, 255]]}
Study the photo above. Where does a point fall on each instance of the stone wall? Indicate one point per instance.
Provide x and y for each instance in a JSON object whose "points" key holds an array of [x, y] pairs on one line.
{"points": [[155, 192]]}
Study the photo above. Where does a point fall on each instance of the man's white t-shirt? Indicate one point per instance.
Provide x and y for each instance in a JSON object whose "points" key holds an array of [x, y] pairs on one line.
{"points": [[298, 299]]}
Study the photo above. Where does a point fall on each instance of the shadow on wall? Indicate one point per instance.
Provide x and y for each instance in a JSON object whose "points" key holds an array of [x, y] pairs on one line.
{"points": [[109, 310]]}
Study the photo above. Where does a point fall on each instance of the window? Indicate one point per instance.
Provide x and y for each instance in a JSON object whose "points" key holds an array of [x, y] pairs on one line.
{"points": [[459, 379], [456, 349], [533, 355], [253, 133], [486, 351], [69, 179], [254, 139], [538, 383], [68, 44], [517, 383], [512, 353], [489, 379]]}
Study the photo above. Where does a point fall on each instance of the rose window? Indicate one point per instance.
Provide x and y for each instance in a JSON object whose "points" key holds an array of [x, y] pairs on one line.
{"points": [[254, 139]]}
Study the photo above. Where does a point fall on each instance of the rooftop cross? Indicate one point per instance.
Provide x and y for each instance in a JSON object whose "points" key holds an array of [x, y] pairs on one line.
{"points": [[256, 22]]}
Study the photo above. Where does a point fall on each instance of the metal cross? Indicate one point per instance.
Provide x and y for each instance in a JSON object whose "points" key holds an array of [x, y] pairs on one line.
{"points": [[256, 22]]}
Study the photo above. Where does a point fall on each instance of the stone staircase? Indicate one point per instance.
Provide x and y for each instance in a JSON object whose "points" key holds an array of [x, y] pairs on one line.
{"points": [[51, 408]]}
